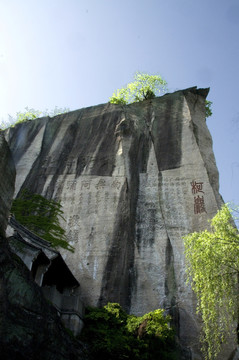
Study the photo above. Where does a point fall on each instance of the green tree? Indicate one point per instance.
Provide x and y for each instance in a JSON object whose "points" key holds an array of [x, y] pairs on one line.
{"points": [[41, 216], [208, 106], [143, 87], [213, 268], [112, 334]]}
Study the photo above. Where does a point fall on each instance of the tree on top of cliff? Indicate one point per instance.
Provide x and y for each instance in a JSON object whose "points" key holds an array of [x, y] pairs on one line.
{"points": [[213, 271], [30, 114], [41, 216], [143, 87]]}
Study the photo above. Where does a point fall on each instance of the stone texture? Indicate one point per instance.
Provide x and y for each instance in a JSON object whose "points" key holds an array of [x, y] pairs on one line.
{"points": [[30, 328], [7, 181], [51, 273], [132, 181]]}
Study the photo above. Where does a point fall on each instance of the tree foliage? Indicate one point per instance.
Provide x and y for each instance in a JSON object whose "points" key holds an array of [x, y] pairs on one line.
{"points": [[208, 105], [213, 268], [143, 87], [31, 114], [28, 114], [112, 334], [41, 216]]}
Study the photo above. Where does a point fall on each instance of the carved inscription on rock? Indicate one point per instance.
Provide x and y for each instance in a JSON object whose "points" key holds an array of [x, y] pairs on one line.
{"points": [[174, 191], [88, 200], [199, 204]]}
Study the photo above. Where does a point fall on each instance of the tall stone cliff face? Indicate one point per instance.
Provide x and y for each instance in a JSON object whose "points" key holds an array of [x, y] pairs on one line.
{"points": [[7, 183], [30, 328], [132, 181]]}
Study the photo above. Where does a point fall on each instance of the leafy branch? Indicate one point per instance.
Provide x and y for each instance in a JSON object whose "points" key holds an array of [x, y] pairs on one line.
{"points": [[41, 216], [212, 269]]}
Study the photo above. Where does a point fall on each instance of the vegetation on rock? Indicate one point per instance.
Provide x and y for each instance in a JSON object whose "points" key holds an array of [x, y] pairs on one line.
{"points": [[213, 271], [41, 216], [143, 87], [112, 334], [208, 108], [31, 114]]}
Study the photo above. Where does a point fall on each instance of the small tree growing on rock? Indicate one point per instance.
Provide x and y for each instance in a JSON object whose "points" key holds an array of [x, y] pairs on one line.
{"points": [[143, 87]]}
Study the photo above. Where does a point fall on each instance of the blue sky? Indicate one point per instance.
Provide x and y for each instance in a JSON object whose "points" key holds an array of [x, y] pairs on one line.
{"points": [[73, 53]]}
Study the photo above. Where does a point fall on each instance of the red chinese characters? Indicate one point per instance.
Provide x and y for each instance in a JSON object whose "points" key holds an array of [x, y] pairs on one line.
{"points": [[197, 187], [199, 204]]}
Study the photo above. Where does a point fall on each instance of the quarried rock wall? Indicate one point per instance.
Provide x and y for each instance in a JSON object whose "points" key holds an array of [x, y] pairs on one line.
{"points": [[132, 180], [30, 328]]}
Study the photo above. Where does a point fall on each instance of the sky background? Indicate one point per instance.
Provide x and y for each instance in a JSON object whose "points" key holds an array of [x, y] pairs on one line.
{"points": [[75, 53]]}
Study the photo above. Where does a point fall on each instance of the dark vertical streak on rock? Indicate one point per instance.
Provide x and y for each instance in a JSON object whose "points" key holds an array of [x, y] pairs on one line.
{"points": [[116, 277], [119, 276], [167, 131], [171, 286], [36, 178], [89, 131], [104, 162], [7, 183]]}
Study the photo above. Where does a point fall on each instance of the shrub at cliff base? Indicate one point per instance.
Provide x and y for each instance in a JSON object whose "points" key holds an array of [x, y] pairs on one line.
{"points": [[112, 334]]}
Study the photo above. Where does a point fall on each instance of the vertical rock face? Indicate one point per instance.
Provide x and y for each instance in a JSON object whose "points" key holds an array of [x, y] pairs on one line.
{"points": [[132, 181], [7, 182], [30, 328]]}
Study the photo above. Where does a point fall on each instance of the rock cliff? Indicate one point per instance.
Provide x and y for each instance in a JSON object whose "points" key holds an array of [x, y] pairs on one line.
{"points": [[132, 181], [30, 328], [7, 183]]}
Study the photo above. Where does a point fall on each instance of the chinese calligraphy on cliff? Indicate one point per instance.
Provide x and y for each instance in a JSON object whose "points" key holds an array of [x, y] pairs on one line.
{"points": [[199, 204]]}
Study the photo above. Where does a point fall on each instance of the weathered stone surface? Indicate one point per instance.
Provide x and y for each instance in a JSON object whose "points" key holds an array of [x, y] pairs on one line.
{"points": [[132, 181], [7, 181], [51, 273], [30, 328]]}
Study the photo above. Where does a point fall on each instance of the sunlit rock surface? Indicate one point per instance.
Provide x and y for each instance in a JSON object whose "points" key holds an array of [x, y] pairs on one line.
{"points": [[132, 181]]}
